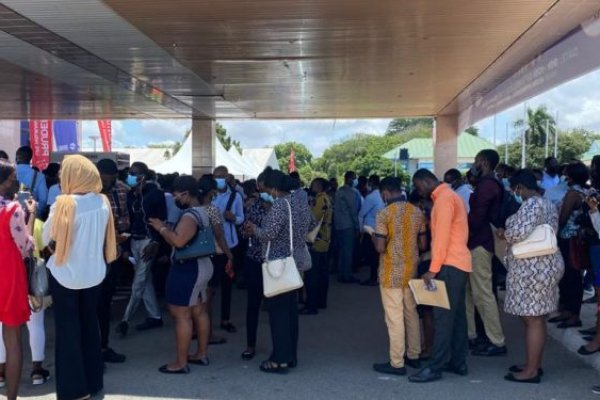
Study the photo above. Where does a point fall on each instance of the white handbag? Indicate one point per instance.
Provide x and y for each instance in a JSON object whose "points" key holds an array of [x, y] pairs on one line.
{"points": [[281, 276], [541, 242]]}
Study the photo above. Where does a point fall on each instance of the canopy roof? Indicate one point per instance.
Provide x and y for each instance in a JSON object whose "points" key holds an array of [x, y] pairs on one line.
{"points": [[468, 147]]}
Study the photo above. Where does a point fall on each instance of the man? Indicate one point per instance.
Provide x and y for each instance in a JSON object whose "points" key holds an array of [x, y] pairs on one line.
{"points": [[550, 177], [33, 180], [3, 156], [400, 232], [117, 193], [450, 263], [231, 205], [366, 218], [486, 209], [145, 201], [454, 178], [317, 278], [345, 219]]}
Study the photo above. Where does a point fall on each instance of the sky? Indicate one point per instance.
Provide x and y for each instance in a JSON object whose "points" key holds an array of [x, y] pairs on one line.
{"points": [[577, 103]]}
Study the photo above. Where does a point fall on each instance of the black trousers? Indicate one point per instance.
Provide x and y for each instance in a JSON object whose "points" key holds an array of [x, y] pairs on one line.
{"points": [[571, 285], [371, 257], [451, 340], [283, 317], [78, 357], [220, 278], [107, 291], [254, 286], [316, 281]]}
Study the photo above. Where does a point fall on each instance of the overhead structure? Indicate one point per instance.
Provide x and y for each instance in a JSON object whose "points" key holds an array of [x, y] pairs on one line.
{"points": [[115, 59]]}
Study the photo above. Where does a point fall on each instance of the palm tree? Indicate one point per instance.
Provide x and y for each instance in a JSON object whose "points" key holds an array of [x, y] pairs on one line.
{"points": [[538, 121]]}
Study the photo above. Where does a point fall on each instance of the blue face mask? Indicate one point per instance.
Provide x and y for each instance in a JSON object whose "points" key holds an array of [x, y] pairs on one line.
{"points": [[267, 197], [132, 180], [221, 183], [506, 183], [355, 183], [518, 198]]}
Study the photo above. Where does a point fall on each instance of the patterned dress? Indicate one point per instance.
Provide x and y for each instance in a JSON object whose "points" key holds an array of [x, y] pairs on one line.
{"points": [[532, 283]]}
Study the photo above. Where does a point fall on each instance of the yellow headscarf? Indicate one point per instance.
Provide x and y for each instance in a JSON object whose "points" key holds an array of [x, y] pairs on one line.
{"points": [[78, 175]]}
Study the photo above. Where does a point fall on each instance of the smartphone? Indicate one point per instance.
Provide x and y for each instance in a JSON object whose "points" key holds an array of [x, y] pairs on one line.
{"points": [[23, 197]]}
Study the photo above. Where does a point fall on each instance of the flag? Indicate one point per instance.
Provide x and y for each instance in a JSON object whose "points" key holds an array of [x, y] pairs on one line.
{"points": [[105, 134], [65, 135], [292, 165], [40, 138]]}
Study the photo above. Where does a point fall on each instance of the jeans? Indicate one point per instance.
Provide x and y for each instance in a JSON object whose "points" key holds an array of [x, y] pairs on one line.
{"points": [[316, 281], [283, 318], [78, 359], [254, 285], [345, 239], [451, 342], [107, 291], [142, 287]]}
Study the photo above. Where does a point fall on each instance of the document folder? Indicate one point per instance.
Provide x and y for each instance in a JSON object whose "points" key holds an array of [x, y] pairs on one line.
{"points": [[424, 296]]}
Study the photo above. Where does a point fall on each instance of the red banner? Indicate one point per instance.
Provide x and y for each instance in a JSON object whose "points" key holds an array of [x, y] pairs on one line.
{"points": [[292, 164], [40, 138], [105, 127]]}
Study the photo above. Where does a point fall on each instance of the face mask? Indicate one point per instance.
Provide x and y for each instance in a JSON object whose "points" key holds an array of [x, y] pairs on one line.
{"points": [[221, 183], [506, 183], [518, 198], [355, 183], [132, 180], [539, 183], [475, 171], [267, 197], [563, 179]]}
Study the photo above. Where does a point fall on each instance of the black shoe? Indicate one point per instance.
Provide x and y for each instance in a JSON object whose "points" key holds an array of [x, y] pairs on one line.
{"points": [[510, 377], [590, 331], [589, 338], [416, 364], [306, 311], [122, 328], [228, 327], [199, 361], [477, 343], [517, 369], [463, 370], [110, 356], [490, 350], [425, 375], [585, 352], [150, 323], [248, 355], [567, 324], [165, 370], [387, 368]]}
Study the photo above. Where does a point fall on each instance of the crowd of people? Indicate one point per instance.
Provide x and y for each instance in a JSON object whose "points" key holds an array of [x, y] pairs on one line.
{"points": [[88, 222]]}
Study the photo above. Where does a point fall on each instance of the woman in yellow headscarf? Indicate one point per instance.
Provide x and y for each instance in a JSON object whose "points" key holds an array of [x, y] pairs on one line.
{"points": [[80, 231]]}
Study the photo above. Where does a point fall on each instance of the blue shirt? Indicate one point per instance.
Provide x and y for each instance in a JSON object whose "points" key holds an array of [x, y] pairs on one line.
{"points": [[53, 193], [548, 182], [237, 207], [368, 213], [173, 212], [25, 175]]}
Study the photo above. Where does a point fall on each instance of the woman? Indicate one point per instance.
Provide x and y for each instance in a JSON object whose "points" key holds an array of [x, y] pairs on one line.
{"points": [[81, 232], [187, 282], [275, 229], [15, 241], [571, 285], [531, 283], [256, 209]]}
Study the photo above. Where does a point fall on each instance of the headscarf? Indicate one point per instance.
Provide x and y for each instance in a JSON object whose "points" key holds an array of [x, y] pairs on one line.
{"points": [[78, 175]]}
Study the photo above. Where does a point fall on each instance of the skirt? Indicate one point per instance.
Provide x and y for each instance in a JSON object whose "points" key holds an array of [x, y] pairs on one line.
{"points": [[188, 281]]}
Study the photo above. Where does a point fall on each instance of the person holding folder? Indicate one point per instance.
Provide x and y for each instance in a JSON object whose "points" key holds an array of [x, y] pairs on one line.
{"points": [[450, 263]]}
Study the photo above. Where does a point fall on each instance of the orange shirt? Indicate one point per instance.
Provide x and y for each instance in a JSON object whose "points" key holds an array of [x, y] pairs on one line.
{"points": [[449, 231]]}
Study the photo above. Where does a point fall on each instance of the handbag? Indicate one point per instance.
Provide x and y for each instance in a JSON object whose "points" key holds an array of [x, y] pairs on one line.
{"points": [[281, 276], [541, 242], [202, 244], [311, 236], [37, 283]]}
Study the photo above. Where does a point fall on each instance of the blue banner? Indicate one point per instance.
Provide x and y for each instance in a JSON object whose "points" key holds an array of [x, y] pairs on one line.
{"points": [[24, 133], [65, 135]]}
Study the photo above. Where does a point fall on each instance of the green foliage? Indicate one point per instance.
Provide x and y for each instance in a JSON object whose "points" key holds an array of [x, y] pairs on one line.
{"points": [[225, 140], [472, 130], [303, 156], [400, 125]]}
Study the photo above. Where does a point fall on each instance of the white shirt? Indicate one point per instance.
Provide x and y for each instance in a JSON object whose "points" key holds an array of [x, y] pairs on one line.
{"points": [[85, 266], [465, 192]]}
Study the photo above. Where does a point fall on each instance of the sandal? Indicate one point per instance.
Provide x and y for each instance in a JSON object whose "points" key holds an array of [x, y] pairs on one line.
{"points": [[165, 370], [273, 368], [248, 355], [40, 376], [199, 361], [228, 327]]}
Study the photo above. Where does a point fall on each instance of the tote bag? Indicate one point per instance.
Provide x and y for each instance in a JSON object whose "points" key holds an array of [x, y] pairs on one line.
{"points": [[281, 276], [541, 242]]}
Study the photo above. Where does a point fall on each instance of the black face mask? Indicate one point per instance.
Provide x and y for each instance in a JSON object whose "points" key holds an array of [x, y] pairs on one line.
{"points": [[180, 205]]}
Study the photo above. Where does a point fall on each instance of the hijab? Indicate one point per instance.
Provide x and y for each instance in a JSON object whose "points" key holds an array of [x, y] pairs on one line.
{"points": [[78, 175]]}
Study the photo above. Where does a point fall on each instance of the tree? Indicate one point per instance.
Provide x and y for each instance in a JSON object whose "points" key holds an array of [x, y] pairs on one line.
{"points": [[226, 140], [538, 121], [303, 156], [400, 125], [472, 130]]}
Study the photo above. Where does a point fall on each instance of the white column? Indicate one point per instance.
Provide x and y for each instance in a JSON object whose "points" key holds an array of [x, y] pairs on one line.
{"points": [[445, 144], [203, 147]]}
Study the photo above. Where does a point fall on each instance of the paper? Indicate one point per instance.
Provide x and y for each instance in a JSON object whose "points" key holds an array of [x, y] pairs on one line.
{"points": [[423, 296]]}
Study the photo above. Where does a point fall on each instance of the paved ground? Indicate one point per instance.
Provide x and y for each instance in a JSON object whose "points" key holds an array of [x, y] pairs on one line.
{"points": [[337, 349]]}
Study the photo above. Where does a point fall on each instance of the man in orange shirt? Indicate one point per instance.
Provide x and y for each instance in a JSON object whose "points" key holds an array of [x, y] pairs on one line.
{"points": [[450, 263]]}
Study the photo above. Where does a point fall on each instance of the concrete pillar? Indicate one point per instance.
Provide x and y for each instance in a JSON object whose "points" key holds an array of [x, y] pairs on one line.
{"points": [[445, 144], [203, 147]]}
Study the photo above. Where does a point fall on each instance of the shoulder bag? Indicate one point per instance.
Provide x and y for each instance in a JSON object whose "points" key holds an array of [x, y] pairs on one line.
{"points": [[540, 242], [37, 277], [202, 244], [281, 276]]}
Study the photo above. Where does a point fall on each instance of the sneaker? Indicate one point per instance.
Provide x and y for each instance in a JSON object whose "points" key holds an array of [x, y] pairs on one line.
{"points": [[111, 356], [387, 368], [150, 323], [122, 328], [40, 376]]}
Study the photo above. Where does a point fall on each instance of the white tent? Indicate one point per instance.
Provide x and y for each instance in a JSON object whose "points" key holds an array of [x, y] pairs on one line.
{"points": [[263, 158]]}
